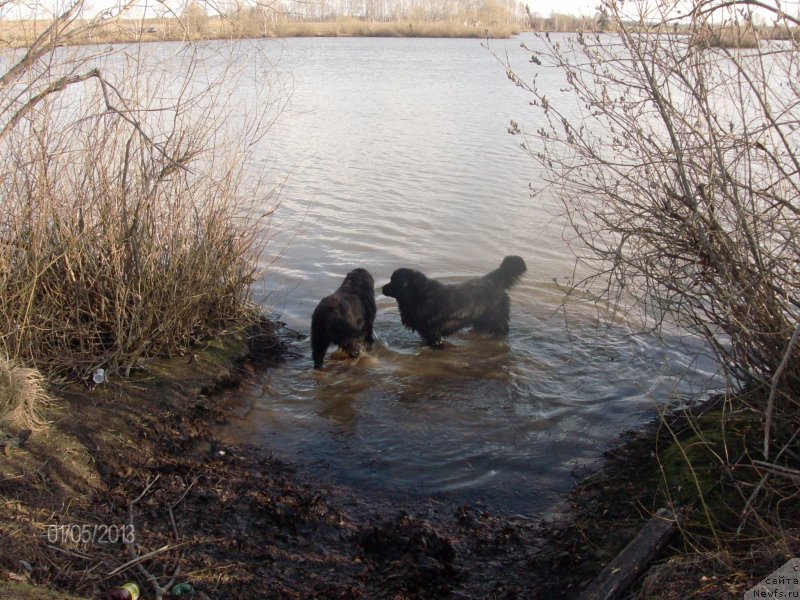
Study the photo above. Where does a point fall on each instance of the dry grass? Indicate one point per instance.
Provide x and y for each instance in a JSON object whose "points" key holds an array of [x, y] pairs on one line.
{"points": [[20, 34], [358, 28], [23, 398], [124, 230], [248, 25], [19, 591], [115, 261], [726, 37]]}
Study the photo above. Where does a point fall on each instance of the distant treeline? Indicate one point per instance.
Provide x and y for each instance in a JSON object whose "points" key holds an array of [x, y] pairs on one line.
{"points": [[464, 12], [557, 22], [743, 35], [390, 18], [203, 20]]}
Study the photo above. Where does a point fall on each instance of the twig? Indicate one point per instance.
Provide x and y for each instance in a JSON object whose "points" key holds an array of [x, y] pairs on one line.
{"points": [[769, 469], [708, 7], [137, 559], [69, 552], [46, 42], [148, 485], [56, 86], [774, 388], [750, 501], [159, 590], [778, 470], [123, 114], [186, 491], [172, 522], [176, 503]]}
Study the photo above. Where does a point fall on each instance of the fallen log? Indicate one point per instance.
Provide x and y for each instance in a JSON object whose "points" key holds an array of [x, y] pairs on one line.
{"points": [[628, 564]]}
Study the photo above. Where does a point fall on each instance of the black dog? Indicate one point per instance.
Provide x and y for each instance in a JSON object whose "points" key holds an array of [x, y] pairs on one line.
{"points": [[436, 310], [345, 317]]}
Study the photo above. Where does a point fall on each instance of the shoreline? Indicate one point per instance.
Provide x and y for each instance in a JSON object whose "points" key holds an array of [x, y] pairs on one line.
{"points": [[232, 519], [20, 34], [233, 522]]}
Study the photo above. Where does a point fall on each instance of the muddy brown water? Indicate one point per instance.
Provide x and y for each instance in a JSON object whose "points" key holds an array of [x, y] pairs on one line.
{"points": [[398, 154]]}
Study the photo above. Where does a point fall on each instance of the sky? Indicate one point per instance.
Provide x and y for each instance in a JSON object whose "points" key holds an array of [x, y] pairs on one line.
{"points": [[589, 7], [543, 7], [574, 7]]}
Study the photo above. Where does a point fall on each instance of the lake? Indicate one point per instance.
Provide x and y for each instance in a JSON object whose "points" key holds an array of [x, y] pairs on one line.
{"points": [[396, 154]]}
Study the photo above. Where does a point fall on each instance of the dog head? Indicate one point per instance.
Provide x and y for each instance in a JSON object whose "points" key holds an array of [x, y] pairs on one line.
{"points": [[405, 283], [360, 281]]}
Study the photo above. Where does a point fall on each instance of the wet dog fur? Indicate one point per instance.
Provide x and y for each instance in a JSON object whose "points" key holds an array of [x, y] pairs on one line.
{"points": [[436, 310], [345, 318]]}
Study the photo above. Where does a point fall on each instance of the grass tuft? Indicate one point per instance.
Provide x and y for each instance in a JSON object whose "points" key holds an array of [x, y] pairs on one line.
{"points": [[114, 248], [23, 399]]}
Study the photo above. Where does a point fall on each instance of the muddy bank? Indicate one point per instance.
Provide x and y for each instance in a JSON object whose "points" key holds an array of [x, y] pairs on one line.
{"points": [[140, 459], [138, 462]]}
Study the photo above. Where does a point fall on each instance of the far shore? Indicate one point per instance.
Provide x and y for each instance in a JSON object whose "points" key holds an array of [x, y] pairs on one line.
{"points": [[18, 34], [260, 25]]}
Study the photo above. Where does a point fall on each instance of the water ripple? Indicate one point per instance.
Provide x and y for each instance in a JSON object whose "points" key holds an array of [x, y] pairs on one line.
{"points": [[398, 159]]}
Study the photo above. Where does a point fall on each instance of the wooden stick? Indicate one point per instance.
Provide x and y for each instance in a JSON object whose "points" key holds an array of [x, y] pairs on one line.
{"points": [[778, 469], [629, 564]]}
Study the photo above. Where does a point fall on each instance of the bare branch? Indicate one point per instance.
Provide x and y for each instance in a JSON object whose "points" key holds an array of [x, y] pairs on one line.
{"points": [[43, 44], [56, 86], [712, 6]]}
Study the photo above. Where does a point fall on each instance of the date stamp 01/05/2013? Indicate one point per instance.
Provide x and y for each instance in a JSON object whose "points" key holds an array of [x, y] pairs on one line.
{"points": [[89, 534]]}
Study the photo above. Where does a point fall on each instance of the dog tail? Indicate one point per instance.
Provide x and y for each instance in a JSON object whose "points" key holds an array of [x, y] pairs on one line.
{"points": [[509, 271]]}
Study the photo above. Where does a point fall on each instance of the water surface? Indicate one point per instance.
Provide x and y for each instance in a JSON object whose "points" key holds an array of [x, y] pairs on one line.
{"points": [[398, 155]]}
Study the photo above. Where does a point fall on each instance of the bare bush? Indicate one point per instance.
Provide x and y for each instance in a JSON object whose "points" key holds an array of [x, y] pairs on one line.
{"points": [[126, 228], [681, 179], [676, 157]]}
